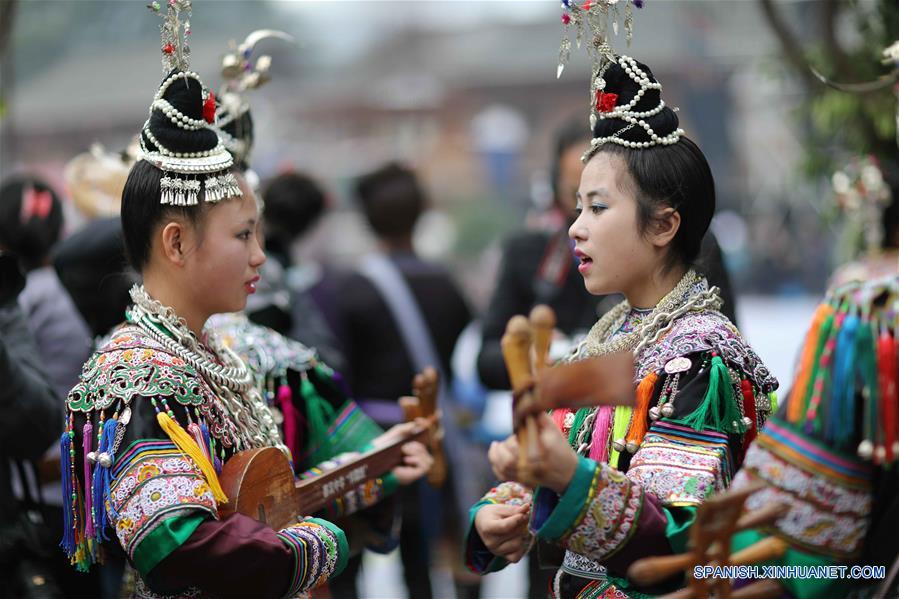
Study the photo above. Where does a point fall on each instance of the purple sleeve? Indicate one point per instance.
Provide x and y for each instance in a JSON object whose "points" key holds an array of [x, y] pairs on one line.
{"points": [[235, 557], [649, 538]]}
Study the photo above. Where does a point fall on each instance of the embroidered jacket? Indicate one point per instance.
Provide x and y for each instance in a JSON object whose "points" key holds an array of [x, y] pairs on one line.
{"points": [[141, 423], [702, 393]]}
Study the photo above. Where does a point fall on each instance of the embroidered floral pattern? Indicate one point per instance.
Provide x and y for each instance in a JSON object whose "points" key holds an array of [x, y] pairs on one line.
{"points": [[612, 508], [825, 516], [508, 493], [140, 502], [680, 466]]}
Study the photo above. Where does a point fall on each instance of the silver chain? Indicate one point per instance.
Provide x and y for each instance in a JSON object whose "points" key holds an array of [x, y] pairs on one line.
{"points": [[151, 315], [237, 398]]}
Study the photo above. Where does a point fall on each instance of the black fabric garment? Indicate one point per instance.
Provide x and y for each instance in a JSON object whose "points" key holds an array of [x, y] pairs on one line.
{"points": [[32, 421], [378, 366], [521, 285], [33, 414]]}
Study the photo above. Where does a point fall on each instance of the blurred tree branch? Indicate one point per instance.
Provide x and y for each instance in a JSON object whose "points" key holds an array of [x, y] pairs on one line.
{"points": [[791, 49], [840, 121]]}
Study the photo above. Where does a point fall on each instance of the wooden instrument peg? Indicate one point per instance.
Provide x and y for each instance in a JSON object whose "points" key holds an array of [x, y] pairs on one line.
{"points": [[425, 385], [411, 408], [516, 346], [543, 323]]}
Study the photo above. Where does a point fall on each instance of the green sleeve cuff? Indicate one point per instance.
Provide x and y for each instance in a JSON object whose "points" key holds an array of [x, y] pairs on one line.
{"points": [[164, 539], [478, 558], [677, 528], [343, 548], [389, 484], [554, 516]]}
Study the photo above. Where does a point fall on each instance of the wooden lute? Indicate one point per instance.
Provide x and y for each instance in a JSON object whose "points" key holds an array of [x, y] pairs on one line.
{"points": [[260, 483]]}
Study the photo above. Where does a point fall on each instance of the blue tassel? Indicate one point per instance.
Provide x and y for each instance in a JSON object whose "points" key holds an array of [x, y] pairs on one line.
{"points": [[68, 494], [843, 386], [103, 480], [205, 430]]}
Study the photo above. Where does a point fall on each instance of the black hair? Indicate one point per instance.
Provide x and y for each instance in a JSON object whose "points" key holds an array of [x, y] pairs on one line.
{"points": [[676, 175], [142, 212], [241, 128], [31, 219], [293, 203], [391, 199], [573, 133]]}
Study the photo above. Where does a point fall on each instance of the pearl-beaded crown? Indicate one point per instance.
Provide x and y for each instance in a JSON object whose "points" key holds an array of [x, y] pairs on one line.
{"points": [[178, 138], [634, 116]]}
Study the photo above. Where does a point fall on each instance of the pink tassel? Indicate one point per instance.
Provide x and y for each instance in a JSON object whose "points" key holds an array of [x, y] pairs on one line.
{"points": [[599, 444], [197, 433], [285, 400], [87, 436]]}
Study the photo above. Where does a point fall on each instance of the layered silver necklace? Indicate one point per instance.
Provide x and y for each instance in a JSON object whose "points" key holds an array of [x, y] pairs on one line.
{"points": [[232, 382]]}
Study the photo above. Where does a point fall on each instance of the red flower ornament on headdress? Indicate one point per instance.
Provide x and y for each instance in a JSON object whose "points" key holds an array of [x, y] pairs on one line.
{"points": [[209, 108], [605, 102]]}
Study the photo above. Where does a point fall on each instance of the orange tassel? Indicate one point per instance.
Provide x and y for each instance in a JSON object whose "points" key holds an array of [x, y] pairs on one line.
{"points": [[750, 412], [806, 364], [640, 418]]}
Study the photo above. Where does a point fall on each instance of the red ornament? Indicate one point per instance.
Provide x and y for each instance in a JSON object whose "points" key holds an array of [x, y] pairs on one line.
{"points": [[209, 108], [605, 102], [566, 19], [168, 48]]}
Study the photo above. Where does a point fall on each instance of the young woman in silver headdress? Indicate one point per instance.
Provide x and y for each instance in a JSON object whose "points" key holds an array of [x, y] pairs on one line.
{"points": [[164, 403], [615, 484]]}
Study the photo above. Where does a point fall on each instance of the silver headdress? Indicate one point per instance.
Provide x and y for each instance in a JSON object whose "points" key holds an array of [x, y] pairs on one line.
{"points": [[178, 137], [232, 120], [594, 18]]}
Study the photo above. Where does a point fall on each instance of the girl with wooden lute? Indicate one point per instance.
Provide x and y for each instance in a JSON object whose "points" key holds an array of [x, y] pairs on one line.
{"points": [[164, 403], [611, 484]]}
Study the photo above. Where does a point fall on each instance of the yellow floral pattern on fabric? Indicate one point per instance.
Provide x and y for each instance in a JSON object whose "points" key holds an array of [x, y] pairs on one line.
{"points": [[154, 482]]}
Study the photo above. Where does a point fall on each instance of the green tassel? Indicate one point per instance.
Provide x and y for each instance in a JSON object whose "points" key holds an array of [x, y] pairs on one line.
{"points": [[579, 418], [772, 397], [319, 414], [719, 409], [621, 421], [823, 336]]}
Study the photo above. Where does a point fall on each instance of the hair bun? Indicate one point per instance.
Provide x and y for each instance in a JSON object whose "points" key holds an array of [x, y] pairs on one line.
{"points": [[177, 119], [628, 107]]}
